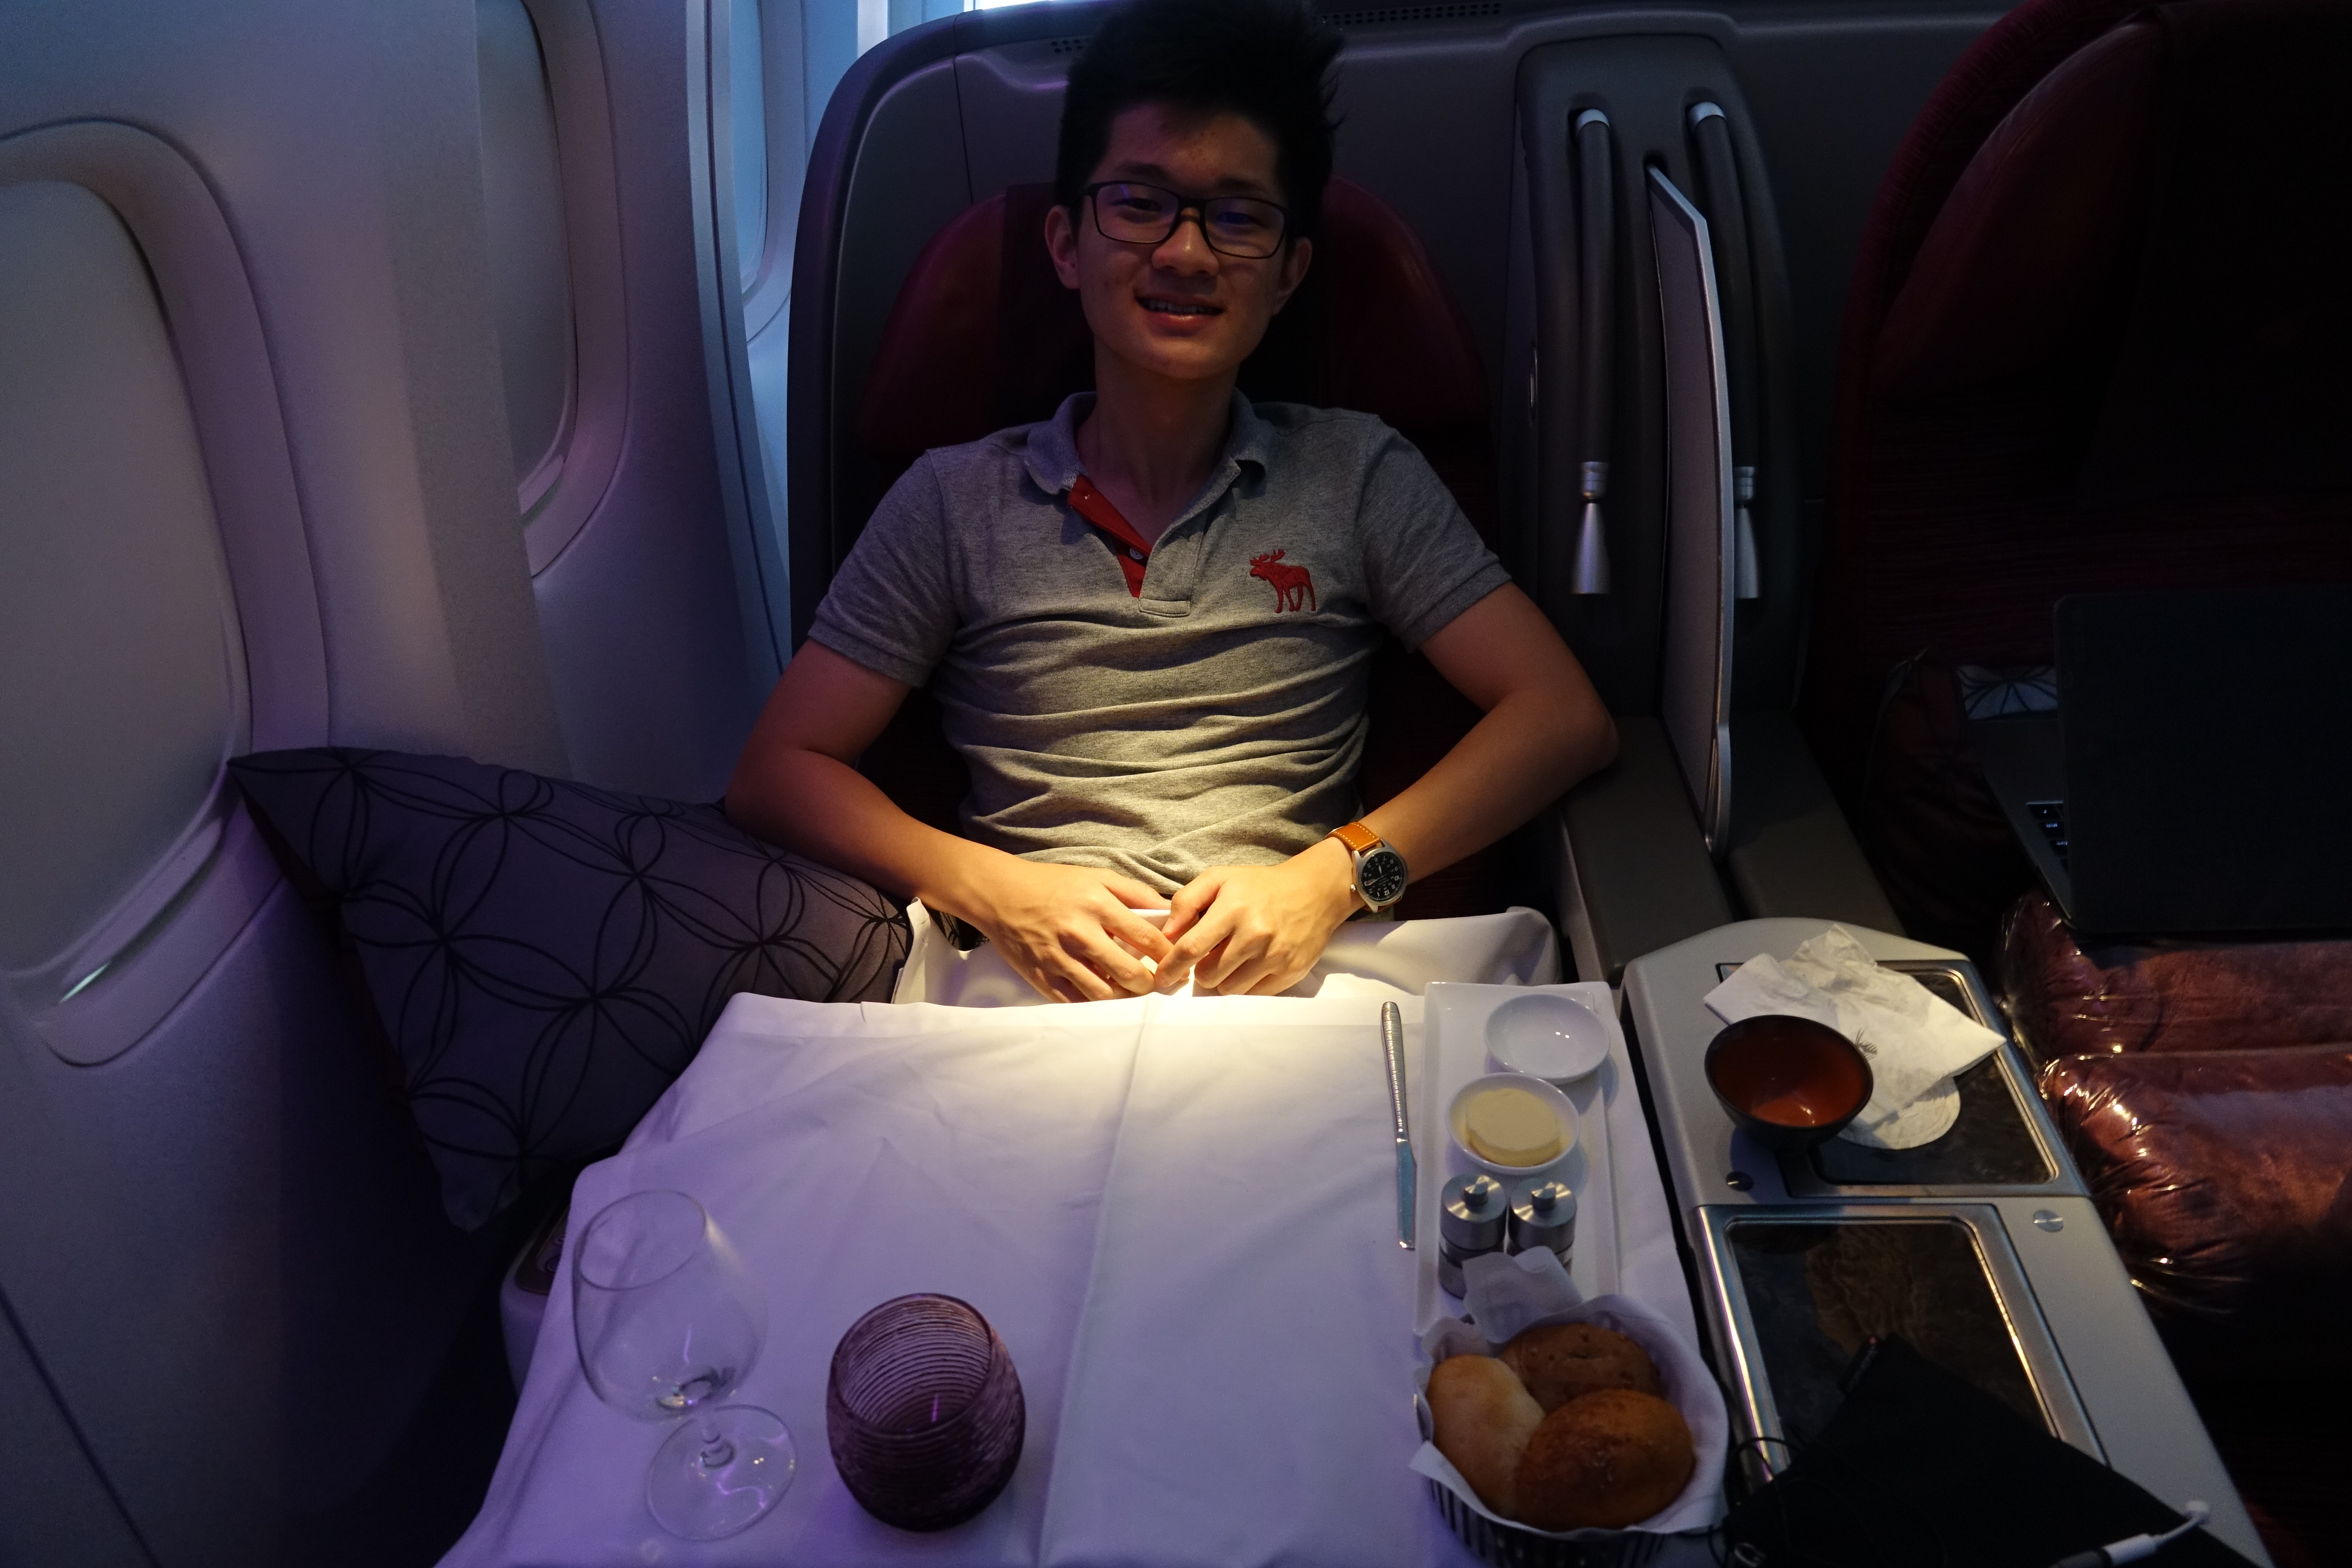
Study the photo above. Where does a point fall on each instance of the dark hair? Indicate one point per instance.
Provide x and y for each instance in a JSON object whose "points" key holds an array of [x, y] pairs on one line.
{"points": [[1266, 60]]}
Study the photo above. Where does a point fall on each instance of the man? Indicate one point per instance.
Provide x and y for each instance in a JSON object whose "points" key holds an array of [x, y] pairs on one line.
{"points": [[1149, 620]]}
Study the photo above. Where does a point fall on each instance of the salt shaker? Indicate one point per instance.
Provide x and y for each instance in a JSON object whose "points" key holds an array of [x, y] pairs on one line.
{"points": [[1473, 1218], [1543, 1214]]}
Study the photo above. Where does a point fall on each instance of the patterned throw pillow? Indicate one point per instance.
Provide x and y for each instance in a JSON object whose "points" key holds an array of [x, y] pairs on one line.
{"points": [[546, 957]]}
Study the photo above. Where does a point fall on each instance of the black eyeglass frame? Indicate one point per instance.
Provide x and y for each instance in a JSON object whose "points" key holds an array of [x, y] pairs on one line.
{"points": [[1197, 208]]}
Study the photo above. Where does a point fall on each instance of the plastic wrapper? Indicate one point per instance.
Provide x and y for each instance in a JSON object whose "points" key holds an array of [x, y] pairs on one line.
{"points": [[2066, 999], [2221, 1177]]}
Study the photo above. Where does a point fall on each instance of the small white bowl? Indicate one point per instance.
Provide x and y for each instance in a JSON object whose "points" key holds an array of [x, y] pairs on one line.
{"points": [[1546, 1036], [1560, 1105]]}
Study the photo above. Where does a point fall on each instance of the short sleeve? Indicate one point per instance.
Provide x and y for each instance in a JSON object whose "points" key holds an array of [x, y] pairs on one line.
{"points": [[1423, 564], [891, 607]]}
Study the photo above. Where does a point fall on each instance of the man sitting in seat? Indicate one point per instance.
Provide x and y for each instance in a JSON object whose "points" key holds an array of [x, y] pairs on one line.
{"points": [[1149, 620]]}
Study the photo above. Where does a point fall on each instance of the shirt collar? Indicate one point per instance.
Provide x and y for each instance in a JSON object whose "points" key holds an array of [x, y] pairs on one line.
{"points": [[1052, 452]]}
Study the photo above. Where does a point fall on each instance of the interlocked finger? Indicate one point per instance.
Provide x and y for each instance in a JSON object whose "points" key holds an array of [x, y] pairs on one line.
{"points": [[1069, 971], [1120, 969]]}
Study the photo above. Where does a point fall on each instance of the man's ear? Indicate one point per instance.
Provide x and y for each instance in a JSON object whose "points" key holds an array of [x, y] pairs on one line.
{"points": [[1295, 258], [1062, 244]]}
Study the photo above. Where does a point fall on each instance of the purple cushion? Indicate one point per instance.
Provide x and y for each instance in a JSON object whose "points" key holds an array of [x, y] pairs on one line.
{"points": [[545, 957]]}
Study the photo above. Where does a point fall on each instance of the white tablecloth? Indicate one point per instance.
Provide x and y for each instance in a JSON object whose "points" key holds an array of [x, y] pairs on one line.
{"points": [[1179, 1213], [1384, 960]]}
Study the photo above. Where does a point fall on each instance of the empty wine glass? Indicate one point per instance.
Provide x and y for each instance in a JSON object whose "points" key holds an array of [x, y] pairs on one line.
{"points": [[667, 1325]]}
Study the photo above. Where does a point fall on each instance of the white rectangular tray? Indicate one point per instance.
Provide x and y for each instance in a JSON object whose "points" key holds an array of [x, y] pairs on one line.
{"points": [[1453, 1051]]}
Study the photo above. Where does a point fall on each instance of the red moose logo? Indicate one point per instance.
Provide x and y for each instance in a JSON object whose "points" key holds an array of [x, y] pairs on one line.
{"points": [[1293, 586]]}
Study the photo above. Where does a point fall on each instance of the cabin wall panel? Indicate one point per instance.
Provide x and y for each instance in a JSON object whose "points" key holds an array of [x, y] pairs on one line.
{"points": [[427, 137], [221, 1242], [54, 1506], [532, 268], [645, 641], [225, 1248], [324, 131]]}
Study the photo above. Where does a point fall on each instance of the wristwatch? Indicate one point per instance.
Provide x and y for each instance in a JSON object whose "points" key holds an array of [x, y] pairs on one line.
{"points": [[1380, 872]]}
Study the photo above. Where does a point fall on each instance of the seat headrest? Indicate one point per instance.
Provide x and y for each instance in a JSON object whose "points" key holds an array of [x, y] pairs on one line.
{"points": [[983, 335], [2021, 263], [2160, 203], [2230, 375]]}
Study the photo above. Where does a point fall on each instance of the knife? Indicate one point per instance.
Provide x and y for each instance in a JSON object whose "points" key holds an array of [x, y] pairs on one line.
{"points": [[1393, 1037]]}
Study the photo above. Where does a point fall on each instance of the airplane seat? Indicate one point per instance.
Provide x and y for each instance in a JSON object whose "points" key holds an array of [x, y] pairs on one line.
{"points": [[983, 335], [2092, 343]]}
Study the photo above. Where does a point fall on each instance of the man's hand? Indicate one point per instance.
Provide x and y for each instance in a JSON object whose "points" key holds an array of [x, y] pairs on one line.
{"points": [[1258, 929], [1069, 931]]}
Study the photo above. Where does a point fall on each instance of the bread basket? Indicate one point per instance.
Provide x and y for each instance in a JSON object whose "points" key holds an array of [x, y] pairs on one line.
{"points": [[1506, 1546], [1689, 1385]]}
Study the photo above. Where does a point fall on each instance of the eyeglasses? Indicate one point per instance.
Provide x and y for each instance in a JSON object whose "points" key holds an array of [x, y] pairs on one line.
{"points": [[1136, 213]]}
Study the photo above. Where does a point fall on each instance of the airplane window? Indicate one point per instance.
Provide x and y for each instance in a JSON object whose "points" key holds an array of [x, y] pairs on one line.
{"points": [[748, 98], [119, 689], [787, 57], [523, 190]]}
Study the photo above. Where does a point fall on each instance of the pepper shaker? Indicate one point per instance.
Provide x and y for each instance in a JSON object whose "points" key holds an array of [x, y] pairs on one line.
{"points": [[1474, 1218], [1543, 1214]]}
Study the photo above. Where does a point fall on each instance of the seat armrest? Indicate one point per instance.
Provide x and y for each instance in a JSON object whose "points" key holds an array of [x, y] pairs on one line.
{"points": [[1793, 851], [1633, 874]]}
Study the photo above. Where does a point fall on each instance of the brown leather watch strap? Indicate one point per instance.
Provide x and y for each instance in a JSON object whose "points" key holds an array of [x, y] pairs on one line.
{"points": [[1358, 838]]}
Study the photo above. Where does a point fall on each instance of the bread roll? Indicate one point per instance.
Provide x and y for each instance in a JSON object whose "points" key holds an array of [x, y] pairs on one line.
{"points": [[1569, 1361], [1484, 1418], [1604, 1461]]}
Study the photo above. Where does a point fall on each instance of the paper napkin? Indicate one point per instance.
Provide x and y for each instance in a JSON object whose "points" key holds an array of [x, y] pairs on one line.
{"points": [[1915, 1040]]}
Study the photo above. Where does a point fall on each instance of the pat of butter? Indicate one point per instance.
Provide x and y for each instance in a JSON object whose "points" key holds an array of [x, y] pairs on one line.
{"points": [[1510, 1127]]}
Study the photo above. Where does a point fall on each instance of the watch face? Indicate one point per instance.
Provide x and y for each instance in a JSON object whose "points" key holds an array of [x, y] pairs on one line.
{"points": [[1380, 877]]}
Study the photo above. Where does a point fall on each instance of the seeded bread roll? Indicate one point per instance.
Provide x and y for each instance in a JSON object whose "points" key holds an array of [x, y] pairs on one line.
{"points": [[1484, 1418], [1605, 1461], [1569, 1361]]}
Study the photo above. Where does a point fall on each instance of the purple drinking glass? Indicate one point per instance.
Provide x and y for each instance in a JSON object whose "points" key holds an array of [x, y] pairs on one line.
{"points": [[923, 1412]]}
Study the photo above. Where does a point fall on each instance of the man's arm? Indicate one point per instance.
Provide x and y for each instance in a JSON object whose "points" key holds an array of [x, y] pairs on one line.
{"points": [[1260, 928], [1064, 929]]}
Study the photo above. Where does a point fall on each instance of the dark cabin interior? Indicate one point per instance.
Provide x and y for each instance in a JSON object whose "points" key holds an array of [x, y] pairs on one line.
{"points": [[457, 412]]}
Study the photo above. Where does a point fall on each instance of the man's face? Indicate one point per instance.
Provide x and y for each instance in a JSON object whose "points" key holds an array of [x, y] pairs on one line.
{"points": [[1178, 310]]}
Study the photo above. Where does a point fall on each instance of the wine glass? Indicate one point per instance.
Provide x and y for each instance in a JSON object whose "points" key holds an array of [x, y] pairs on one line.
{"points": [[668, 1324]]}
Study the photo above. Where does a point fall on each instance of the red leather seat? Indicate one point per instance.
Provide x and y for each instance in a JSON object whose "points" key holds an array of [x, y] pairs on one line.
{"points": [[2095, 341], [983, 335]]}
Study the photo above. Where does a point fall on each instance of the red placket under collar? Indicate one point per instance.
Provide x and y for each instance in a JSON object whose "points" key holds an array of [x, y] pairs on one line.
{"points": [[1133, 553]]}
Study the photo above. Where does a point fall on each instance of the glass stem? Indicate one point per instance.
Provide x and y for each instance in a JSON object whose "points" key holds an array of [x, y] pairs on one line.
{"points": [[717, 1453]]}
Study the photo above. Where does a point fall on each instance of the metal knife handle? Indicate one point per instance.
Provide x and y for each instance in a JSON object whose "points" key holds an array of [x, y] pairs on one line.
{"points": [[1392, 1036]]}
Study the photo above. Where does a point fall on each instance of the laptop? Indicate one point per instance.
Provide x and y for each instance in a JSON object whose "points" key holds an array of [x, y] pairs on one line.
{"points": [[2197, 776]]}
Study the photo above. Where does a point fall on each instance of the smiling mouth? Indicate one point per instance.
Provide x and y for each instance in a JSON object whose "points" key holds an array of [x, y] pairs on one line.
{"points": [[1174, 308]]}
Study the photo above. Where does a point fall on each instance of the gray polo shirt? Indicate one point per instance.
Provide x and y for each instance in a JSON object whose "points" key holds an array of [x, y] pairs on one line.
{"points": [[1215, 717]]}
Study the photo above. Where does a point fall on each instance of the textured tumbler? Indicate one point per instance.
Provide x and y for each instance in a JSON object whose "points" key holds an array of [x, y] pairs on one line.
{"points": [[923, 1412]]}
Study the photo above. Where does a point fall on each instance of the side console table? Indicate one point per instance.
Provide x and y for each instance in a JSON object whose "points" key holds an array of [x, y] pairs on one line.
{"points": [[1981, 1247]]}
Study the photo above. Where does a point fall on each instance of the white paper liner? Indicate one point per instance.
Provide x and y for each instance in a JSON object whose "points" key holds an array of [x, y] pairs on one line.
{"points": [[1512, 1295], [1923, 1120], [1916, 1041]]}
